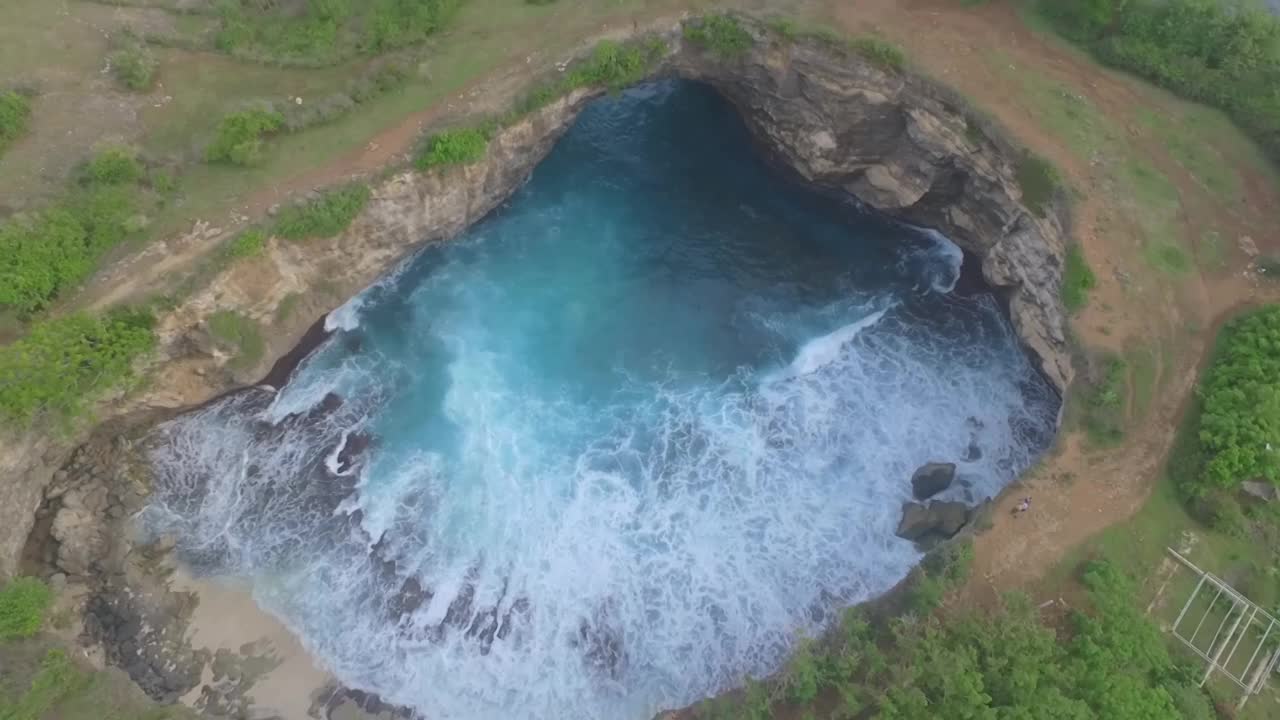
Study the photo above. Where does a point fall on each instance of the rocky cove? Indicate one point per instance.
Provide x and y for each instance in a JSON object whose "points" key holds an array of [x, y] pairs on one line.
{"points": [[839, 123]]}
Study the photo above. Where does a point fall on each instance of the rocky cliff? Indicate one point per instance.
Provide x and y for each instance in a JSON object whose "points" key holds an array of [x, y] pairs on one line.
{"points": [[909, 147], [897, 142]]}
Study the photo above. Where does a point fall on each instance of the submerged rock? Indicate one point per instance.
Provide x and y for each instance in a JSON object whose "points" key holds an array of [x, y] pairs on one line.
{"points": [[931, 479]]}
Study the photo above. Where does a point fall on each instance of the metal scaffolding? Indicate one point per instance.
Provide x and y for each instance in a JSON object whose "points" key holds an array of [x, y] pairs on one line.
{"points": [[1246, 624]]}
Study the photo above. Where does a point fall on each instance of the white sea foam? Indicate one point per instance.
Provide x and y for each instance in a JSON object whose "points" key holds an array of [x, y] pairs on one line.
{"points": [[556, 524], [700, 527], [823, 351], [346, 316]]}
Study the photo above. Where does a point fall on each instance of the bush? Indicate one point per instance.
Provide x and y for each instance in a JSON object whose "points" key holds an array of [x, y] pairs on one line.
{"points": [[1104, 399], [323, 32], [23, 603], [722, 35], [113, 166], [14, 111], [1224, 53], [1077, 279], [249, 243], [63, 364], [612, 65], [133, 64], [1039, 181], [325, 216], [57, 680], [1112, 662], [60, 246], [238, 139], [1240, 421], [462, 146]]}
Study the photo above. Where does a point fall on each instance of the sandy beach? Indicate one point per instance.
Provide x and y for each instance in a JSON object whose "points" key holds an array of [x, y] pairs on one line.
{"points": [[250, 649]]}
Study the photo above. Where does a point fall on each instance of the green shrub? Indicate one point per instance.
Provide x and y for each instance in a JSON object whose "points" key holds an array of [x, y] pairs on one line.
{"points": [[1240, 421], [326, 216], [23, 603], [461, 146], [60, 246], [1224, 53], [239, 136], [1077, 279], [881, 52], [133, 65], [951, 563], [926, 593], [1104, 401], [615, 66], [113, 166], [57, 680], [1039, 181], [612, 65], [65, 363], [323, 32], [14, 112], [722, 35], [803, 677], [249, 243]]}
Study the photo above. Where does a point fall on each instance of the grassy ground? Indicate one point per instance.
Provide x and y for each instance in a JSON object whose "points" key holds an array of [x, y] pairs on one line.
{"points": [[1250, 561]]}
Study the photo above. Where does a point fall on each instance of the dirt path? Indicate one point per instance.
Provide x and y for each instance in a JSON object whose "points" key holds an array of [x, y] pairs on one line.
{"points": [[1079, 490]]}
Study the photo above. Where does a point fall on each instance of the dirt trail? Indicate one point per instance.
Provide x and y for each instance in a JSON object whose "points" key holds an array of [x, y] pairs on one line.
{"points": [[1079, 490]]}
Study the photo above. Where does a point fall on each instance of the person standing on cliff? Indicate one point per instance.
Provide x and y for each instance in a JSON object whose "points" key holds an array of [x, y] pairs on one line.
{"points": [[1023, 506]]}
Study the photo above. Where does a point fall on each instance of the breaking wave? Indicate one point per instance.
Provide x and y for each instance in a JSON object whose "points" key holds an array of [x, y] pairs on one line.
{"points": [[616, 448]]}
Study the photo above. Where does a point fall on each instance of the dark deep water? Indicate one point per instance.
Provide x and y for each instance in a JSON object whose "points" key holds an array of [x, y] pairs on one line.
{"points": [[630, 436]]}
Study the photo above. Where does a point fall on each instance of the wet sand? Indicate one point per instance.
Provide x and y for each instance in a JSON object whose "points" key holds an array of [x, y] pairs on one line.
{"points": [[285, 679]]}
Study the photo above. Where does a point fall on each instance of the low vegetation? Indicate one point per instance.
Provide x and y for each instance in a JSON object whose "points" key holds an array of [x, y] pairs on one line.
{"points": [[50, 250], [239, 335], [611, 65], [879, 51], [249, 243], [132, 63], [23, 603], [14, 112], [460, 146], [239, 137], [1240, 417], [324, 32], [1102, 401], [722, 35], [1106, 660], [1077, 279], [1039, 181], [65, 363], [1222, 52], [324, 216]]}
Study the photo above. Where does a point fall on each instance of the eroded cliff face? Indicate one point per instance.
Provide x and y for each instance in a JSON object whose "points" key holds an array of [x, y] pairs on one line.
{"points": [[896, 142], [905, 145]]}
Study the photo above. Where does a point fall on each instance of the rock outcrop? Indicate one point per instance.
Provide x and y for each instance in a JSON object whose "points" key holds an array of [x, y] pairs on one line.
{"points": [[931, 479], [934, 522], [907, 146]]}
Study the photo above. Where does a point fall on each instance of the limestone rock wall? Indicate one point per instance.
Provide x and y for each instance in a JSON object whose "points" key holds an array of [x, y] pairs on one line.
{"points": [[907, 146]]}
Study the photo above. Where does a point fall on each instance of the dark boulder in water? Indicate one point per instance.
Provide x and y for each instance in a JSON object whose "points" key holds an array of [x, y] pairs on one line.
{"points": [[932, 522], [931, 479]]}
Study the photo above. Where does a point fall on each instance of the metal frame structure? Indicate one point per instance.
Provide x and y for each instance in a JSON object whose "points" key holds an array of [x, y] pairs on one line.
{"points": [[1245, 617]]}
